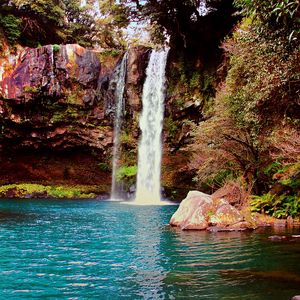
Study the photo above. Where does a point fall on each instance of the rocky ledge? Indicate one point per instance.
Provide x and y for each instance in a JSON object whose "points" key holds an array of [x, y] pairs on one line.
{"points": [[199, 211]]}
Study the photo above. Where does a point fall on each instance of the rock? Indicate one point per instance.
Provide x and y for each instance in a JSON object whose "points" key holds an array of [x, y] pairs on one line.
{"points": [[137, 63], [44, 71], [289, 221], [296, 297], [226, 215], [199, 211], [191, 212], [50, 88], [59, 100]]}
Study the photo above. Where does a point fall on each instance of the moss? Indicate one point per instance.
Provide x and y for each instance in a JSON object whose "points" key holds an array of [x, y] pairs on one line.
{"points": [[56, 48], [31, 89], [126, 137], [73, 99], [64, 192], [126, 172], [104, 167], [57, 117], [170, 126], [110, 53]]}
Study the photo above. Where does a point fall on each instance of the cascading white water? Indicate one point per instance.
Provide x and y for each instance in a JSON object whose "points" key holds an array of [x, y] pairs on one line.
{"points": [[151, 122], [120, 79]]}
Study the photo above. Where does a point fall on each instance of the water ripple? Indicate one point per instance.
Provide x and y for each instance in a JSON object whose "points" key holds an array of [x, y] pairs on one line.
{"points": [[100, 250]]}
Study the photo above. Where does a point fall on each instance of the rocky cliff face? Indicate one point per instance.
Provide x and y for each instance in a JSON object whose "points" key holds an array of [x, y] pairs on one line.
{"points": [[57, 108], [56, 100], [50, 97]]}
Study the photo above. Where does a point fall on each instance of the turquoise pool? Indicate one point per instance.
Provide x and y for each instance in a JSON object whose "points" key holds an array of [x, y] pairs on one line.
{"points": [[107, 250]]}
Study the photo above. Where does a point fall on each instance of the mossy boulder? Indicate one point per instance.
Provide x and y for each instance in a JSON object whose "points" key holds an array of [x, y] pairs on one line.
{"points": [[200, 211]]}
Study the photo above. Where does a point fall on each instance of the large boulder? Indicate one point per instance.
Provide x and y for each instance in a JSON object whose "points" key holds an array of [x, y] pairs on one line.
{"points": [[200, 211]]}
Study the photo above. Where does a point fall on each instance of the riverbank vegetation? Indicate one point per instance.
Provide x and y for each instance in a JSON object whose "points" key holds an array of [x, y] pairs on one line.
{"points": [[27, 190], [252, 136]]}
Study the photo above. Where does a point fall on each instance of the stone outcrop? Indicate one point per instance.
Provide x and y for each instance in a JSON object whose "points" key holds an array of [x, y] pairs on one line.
{"points": [[50, 98], [51, 71], [137, 63], [199, 211], [54, 98]]}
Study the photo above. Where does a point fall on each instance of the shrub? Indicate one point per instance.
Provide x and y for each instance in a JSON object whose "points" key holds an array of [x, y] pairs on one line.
{"points": [[276, 206], [104, 167], [126, 172], [56, 48], [12, 27]]}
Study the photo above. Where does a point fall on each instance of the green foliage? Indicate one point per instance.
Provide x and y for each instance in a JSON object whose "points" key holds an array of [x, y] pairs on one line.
{"points": [[111, 53], [31, 89], [275, 18], [289, 176], [56, 48], [22, 190], [277, 206], [273, 168], [11, 26], [104, 167], [259, 80], [126, 172], [34, 22], [170, 126], [219, 178], [180, 20]]}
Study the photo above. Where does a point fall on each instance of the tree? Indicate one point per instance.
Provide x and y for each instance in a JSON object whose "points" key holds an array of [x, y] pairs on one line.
{"points": [[185, 23], [274, 18], [49, 22]]}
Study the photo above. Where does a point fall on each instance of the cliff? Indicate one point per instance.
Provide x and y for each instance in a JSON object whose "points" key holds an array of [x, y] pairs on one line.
{"points": [[56, 113], [57, 106]]}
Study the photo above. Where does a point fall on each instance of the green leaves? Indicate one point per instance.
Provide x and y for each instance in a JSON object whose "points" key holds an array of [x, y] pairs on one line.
{"points": [[34, 22], [126, 172], [275, 18], [277, 206], [12, 27]]}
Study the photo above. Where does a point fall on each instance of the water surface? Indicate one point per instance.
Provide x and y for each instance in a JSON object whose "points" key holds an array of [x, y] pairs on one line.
{"points": [[107, 250]]}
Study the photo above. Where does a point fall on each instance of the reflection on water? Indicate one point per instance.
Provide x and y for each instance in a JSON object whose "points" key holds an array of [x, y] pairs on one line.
{"points": [[106, 250]]}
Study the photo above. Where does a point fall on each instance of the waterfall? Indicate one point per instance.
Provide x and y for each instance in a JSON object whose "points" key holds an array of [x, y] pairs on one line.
{"points": [[151, 122], [120, 79]]}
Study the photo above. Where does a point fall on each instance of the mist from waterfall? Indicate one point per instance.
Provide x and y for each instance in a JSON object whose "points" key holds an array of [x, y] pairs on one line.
{"points": [[120, 79], [148, 190]]}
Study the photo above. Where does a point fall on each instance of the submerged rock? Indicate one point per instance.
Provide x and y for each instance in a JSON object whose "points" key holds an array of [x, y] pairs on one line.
{"points": [[200, 211]]}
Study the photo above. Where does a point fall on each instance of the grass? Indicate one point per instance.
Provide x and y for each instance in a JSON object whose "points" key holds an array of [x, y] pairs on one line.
{"points": [[25, 190]]}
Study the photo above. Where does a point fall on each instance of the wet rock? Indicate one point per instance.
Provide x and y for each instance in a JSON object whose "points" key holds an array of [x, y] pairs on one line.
{"points": [[136, 72], [296, 297], [200, 211]]}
